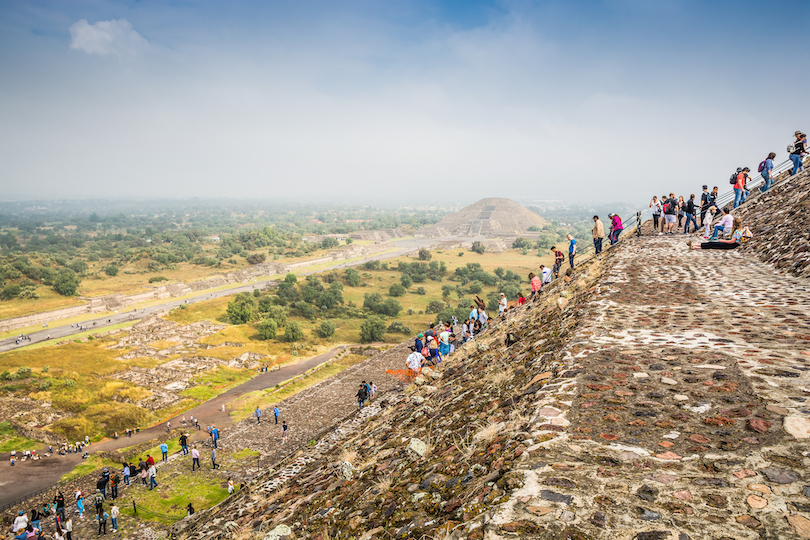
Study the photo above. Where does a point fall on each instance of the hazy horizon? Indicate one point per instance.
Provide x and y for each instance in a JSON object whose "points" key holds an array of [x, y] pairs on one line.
{"points": [[402, 102]]}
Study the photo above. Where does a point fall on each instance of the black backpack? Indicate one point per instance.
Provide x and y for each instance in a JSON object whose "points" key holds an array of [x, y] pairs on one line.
{"points": [[733, 179]]}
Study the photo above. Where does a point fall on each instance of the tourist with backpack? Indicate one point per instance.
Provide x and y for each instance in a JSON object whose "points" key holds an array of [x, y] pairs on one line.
{"points": [[739, 187], [572, 250], [670, 209], [559, 258], [797, 149], [706, 200], [766, 170], [361, 396], [689, 212]]}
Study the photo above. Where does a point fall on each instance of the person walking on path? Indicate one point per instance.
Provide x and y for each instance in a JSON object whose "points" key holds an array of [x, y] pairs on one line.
{"points": [[766, 171], [276, 412], [126, 472], [572, 250], [114, 513], [361, 396], [195, 459], [797, 149], [152, 475], [258, 414], [79, 503], [114, 481], [739, 187], [67, 528], [535, 283], [284, 430], [689, 212], [214, 464], [214, 435], [598, 234], [184, 443], [164, 450], [60, 504], [230, 485], [656, 211], [373, 388], [502, 303]]}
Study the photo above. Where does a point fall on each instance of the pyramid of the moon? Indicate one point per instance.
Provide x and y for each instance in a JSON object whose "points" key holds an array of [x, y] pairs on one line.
{"points": [[489, 217]]}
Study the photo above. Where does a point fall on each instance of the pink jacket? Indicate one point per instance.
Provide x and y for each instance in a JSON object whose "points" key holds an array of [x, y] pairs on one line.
{"points": [[617, 223], [536, 284]]}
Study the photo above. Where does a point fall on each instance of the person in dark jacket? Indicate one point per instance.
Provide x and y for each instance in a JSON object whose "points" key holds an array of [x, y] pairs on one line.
{"points": [[689, 213]]}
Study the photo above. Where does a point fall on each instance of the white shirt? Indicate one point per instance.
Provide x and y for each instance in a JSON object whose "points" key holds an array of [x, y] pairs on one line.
{"points": [[547, 275], [502, 305], [727, 221], [482, 316], [20, 523], [414, 360], [195, 453]]}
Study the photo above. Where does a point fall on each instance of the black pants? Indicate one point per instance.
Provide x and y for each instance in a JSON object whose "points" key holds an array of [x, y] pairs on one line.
{"points": [[597, 245], [114, 492], [102, 526], [69, 535], [276, 419], [703, 216], [718, 245], [571, 259], [195, 461], [655, 221]]}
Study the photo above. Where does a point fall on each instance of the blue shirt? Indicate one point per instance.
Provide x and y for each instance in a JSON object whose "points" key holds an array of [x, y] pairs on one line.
{"points": [[571, 246], [215, 433], [474, 315], [164, 447], [768, 165]]}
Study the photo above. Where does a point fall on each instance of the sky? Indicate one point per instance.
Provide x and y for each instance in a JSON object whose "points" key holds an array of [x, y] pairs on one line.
{"points": [[408, 102]]}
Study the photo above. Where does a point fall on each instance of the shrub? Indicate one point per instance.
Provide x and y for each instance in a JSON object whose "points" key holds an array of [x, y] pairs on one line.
{"points": [[421, 290], [290, 278], [435, 306], [522, 243], [406, 281], [241, 308], [293, 332], [349, 241], [157, 279], [5, 376], [353, 277], [399, 328], [111, 270], [425, 255], [10, 291], [326, 329], [372, 329], [66, 282], [24, 371], [475, 288], [44, 385], [396, 290], [256, 258], [267, 329], [307, 311], [478, 247], [277, 313], [257, 293], [329, 243]]}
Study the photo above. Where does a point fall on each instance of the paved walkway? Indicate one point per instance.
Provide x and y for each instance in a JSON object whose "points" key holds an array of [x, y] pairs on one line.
{"points": [[689, 415]]}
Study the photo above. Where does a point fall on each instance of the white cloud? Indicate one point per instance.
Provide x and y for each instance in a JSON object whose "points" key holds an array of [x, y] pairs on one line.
{"points": [[116, 37]]}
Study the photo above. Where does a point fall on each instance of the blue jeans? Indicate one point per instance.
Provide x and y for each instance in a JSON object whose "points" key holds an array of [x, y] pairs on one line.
{"points": [[115, 523], [152, 482], [689, 217], [739, 197], [717, 230], [185, 449], [165, 455], [797, 163], [767, 177], [126, 480], [571, 259], [597, 245], [614, 236]]}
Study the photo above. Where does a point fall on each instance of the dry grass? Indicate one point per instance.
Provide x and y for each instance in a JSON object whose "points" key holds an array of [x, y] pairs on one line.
{"points": [[383, 485], [465, 445], [500, 376], [486, 433], [349, 456]]}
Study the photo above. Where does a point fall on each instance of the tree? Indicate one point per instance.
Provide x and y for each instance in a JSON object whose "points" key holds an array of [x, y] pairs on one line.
{"points": [[391, 307], [425, 254], [10, 291], [241, 308], [522, 243], [475, 287], [396, 290], [66, 282], [277, 313], [329, 243], [307, 311], [78, 266], [267, 329], [406, 281], [111, 270], [291, 279], [349, 241], [326, 329], [478, 247], [372, 329], [293, 332], [435, 306], [353, 277]]}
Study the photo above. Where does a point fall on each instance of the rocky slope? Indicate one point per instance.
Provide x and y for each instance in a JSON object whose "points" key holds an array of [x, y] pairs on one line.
{"points": [[659, 393]]}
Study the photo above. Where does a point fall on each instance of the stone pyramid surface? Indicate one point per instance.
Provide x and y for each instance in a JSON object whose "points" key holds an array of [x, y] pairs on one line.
{"points": [[489, 217]]}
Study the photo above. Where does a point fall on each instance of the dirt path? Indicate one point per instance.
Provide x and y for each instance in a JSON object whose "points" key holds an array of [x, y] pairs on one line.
{"points": [[30, 477]]}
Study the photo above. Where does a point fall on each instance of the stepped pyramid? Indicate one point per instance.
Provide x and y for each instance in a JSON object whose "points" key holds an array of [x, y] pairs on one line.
{"points": [[490, 217]]}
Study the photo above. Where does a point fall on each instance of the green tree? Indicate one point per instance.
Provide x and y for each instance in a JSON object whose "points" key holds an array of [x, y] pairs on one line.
{"points": [[291, 279], [66, 282], [353, 277], [306, 310], [435, 306], [478, 247], [425, 254], [329, 243], [396, 290], [293, 332], [326, 329], [372, 329], [522, 243], [10, 291], [475, 288], [111, 270], [277, 313], [241, 308], [267, 329], [406, 281], [256, 258]]}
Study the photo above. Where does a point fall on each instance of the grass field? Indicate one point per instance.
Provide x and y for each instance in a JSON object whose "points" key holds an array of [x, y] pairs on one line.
{"points": [[10, 440]]}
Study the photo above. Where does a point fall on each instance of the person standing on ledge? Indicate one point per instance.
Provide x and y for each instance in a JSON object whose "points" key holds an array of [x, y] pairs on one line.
{"points": [[797, 150], [767, 171], [599, 234], [572, 250]]}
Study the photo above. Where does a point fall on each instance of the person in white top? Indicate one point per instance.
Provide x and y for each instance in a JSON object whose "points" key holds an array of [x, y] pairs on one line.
{"points": [[502, 303], [547, 275], [724, 225], [414, 359], [20, 522]]}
